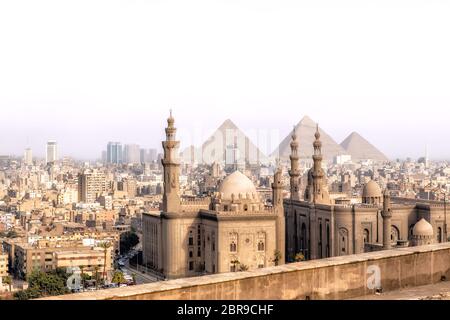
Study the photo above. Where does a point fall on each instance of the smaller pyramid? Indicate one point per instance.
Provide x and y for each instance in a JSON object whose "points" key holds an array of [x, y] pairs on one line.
{"points": [[361, 149]]}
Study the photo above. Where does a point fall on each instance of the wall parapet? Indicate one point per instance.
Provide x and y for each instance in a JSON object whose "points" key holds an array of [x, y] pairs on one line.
{"points": [[334, 278]]}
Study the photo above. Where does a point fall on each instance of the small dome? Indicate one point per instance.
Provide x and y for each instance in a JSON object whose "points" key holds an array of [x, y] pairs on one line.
{"points": [[423, 228], [236, 183], [371, 190]]}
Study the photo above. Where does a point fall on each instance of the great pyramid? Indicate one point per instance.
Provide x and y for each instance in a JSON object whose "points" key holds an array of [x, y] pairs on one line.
{"points": [[227, 145], [361, 149], [305, 130]]}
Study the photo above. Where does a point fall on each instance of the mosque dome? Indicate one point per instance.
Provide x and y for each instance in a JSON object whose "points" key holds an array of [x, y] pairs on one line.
{"points": [[423, 229], [237, 183], [372, 190]]}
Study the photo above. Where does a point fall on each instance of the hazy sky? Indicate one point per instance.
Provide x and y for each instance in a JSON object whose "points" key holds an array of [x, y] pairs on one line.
{"points": [[86, 72]]}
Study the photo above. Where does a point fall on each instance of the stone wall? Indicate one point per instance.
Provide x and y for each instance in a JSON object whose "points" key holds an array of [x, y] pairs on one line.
{"points": [[334, 278]]}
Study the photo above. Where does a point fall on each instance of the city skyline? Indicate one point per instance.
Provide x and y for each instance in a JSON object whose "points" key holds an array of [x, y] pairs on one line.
{"points": [[115, 76], [196, 133]]}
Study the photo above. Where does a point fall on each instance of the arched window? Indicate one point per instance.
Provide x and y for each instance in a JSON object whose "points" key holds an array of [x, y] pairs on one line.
{"points": [[233, 247], [343, 239], [395, 235], [411, 231], [439, 235], [303, 238], [320, 241], [296, 235], [366, 236], [328, 253]]}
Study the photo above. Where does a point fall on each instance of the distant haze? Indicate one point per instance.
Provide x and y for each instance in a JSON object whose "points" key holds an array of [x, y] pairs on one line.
{"points": [[87, 72]]}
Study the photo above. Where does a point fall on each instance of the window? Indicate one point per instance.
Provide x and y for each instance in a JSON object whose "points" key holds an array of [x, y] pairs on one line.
{"points": [[366, 236], [261, 246], [260, 266], [245, 207], [233, 247], [328, 242], [191, 254], [439, 234], [191, 265], [395, 235], [191, 241], [320, 241], [233, 268]]}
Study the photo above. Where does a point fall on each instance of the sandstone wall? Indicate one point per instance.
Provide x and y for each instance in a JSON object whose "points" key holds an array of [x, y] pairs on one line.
{"points": [[334, 278]]}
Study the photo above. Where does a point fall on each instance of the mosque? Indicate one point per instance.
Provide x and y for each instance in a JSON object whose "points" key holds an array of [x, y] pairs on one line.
{"points": [[231, 231], [234, 230], [318, 228]]}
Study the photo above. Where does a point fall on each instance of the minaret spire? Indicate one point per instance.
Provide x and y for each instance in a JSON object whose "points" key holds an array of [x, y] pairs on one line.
{"points": [[171, 197], [386, 214], [317, 190], [294, 173], [278, 207]]}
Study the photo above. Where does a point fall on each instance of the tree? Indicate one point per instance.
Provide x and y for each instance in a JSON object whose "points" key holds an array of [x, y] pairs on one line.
{"points": [[105, 246], [299, 257], [277, 257], [43, 284], [243, 268], [118, 278], [96, 277], [235, 263], [128, 241], [8, 280]]}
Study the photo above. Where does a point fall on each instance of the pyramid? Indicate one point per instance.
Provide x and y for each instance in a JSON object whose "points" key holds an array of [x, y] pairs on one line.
{"points": [[361, 149], [305, 130], [227, 145]]}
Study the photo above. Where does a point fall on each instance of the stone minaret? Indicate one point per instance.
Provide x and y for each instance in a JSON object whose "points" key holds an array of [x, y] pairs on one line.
{"points": [[277, 199], [294, 173], [317, 190], [387, 215], [171, 197]]}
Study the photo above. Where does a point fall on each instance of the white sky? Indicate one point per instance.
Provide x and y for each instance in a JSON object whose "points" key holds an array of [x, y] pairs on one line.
{"points": [[86, 72]]}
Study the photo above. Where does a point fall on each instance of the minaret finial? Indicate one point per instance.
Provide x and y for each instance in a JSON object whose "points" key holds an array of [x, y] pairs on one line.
{"points": [[317, 135]]}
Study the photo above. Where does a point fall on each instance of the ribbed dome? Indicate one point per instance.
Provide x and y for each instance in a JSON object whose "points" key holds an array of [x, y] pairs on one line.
{"points": [[237, 183], [372, 190], [423, 228]]}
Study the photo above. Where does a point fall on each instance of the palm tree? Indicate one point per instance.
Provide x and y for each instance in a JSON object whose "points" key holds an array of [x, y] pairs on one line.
{"points": [[8, 280], [105, 246], [82, 277], [96, 277]]}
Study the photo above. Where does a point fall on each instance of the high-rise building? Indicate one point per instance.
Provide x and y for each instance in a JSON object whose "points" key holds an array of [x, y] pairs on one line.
{"points": [[152, 155], [114, 153], [28, 157], [91, 185], [132, 154], [148, 155], [52, 152]]}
